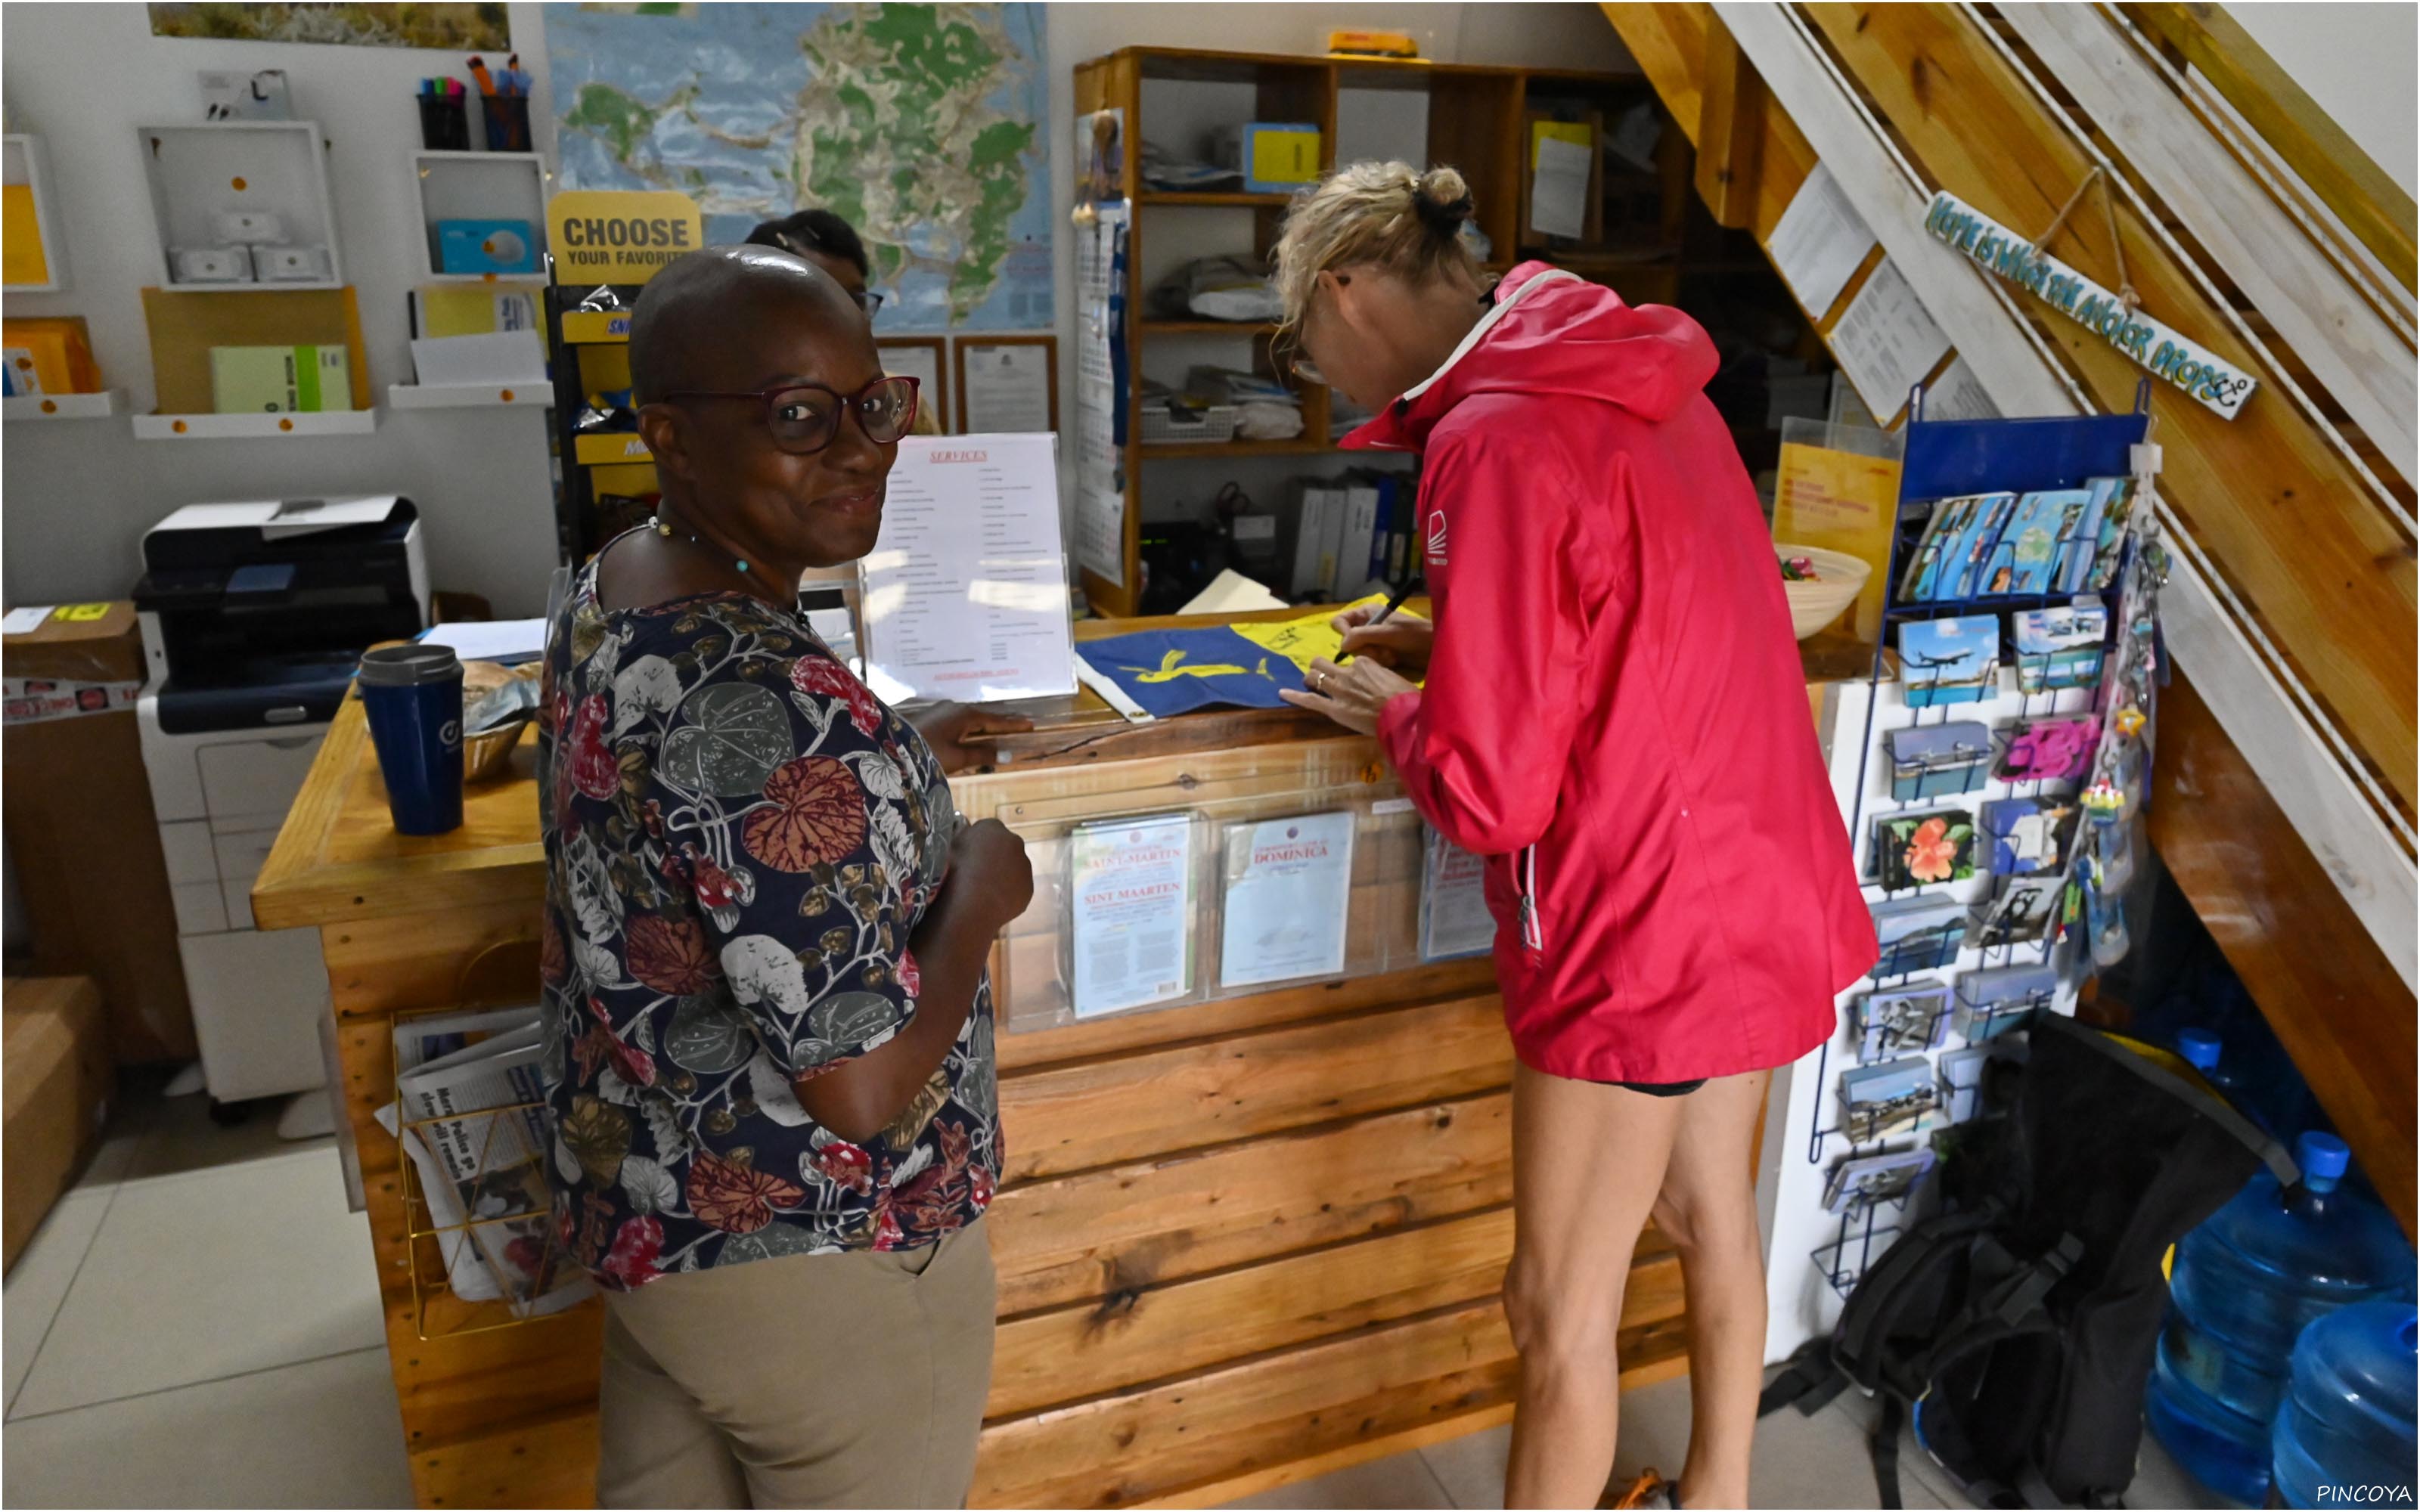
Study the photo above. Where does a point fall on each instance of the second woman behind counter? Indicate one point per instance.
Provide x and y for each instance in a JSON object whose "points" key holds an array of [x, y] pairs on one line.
{"points": [[770, 1061]]}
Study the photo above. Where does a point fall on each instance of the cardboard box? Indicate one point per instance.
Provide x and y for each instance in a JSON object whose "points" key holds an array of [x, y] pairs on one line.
{"points": [[55, 1081], [80, 827]]}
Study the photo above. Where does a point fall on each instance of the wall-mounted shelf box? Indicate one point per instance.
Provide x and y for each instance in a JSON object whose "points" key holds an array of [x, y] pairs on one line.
{"points": [[24, 161], [64, 405], [537, 395], [198, 173], [203, 427], [479, 185]]}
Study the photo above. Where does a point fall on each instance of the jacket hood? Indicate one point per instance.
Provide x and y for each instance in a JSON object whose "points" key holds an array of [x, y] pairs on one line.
{"points": [[1551, 332]]}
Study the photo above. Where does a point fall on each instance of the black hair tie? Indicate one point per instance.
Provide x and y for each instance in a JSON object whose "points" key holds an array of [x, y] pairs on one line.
{"points": [[1445, 218]]}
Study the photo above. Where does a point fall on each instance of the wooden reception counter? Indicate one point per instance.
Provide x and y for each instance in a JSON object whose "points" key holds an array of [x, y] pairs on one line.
{"points": [[1241, 1240]]}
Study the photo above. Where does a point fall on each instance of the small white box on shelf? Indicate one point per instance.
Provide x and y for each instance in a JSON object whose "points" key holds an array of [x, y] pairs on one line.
{"points": [[208, 179], [253, 226], [210, 265], [290, 265]]}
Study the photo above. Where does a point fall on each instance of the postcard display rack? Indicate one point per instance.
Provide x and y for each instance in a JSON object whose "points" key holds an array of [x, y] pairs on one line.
{"points": [[1992, 796]]}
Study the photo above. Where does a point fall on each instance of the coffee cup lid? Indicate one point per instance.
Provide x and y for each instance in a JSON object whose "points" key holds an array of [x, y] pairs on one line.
{"points": [[405, 666]]}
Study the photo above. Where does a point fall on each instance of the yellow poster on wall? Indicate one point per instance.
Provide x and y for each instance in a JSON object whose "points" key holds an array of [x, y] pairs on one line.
{"points": [[23, 262], [620, 235], [1843, 502]]}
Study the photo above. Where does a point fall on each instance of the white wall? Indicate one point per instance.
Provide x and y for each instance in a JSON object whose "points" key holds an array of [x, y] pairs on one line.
{"points": [[79, 495], [2356, 60]]}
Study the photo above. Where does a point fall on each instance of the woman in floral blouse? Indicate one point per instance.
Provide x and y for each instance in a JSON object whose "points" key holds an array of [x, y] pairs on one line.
{"points": [[770, 1074]]}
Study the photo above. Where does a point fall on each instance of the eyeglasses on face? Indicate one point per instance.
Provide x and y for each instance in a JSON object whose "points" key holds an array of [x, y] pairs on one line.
{"points": [[869, 300], [804, 418]]}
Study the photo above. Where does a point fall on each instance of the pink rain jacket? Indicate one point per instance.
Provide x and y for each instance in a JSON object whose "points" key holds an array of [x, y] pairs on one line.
{"points": [[1615, 717]]}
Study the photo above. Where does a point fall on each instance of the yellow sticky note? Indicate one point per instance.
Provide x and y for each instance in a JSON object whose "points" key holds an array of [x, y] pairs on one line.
{"points": [[20, 237], [1841, 501], [1578, 133]]}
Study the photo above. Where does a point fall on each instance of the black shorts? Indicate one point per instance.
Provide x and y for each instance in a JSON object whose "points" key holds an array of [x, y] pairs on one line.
{"points": [[1659, 1089]]}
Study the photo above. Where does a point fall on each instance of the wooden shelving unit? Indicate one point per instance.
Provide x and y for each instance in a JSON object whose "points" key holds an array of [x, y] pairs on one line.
{"points": [[1476, 118]]}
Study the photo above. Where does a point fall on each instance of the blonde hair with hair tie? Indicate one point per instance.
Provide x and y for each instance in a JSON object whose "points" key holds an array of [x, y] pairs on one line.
{"points": [[1386, 215]]}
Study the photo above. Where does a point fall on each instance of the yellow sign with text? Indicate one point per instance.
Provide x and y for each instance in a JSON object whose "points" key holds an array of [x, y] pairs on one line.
{"points": [[1841, 501], [620, 235]]}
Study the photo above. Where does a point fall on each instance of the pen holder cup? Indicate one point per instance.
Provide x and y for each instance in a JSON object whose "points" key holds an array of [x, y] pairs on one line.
{"points": [[444, 123], [507, 121]]}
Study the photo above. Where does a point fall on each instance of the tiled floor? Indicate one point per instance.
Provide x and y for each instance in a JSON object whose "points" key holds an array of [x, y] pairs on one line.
{"points": [[195, 1326]]}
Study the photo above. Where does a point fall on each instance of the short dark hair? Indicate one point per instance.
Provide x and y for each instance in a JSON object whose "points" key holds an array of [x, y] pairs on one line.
{"points": [[814, 231]]}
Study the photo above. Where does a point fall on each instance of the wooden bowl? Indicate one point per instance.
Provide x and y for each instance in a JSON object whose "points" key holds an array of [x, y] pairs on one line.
{"points": [[1839, 580]]}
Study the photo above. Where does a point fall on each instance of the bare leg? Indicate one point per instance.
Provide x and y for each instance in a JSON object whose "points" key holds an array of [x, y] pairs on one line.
{"points": [[1708, 1210], [1587, 1162]]}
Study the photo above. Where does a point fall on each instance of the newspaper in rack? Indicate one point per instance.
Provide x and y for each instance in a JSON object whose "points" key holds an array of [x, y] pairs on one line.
{"points": [[474, 1123]]}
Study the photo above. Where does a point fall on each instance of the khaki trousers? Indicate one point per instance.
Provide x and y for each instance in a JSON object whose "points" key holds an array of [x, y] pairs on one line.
{"points": [[810, 1381]]}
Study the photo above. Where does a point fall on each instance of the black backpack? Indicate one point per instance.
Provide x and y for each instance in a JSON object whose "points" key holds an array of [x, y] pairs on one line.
{"points": [[2018, 1323]]}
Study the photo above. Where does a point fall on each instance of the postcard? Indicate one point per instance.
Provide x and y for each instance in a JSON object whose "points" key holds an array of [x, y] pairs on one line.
{"points": [[1962, 1080], [1949, 661], [1918, 850], [2028, 836], [2050, 750], [1893, 1098], [1858, 1184], [1993, 1001], [1937, 761], [2060, 646], [2020, 915], [1901, 1021]]}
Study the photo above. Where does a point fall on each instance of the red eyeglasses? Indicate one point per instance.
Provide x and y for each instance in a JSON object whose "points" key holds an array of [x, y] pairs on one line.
{"points": [[805, 417]]}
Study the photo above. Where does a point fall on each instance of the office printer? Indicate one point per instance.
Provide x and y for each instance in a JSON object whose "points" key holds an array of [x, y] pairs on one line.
{"points": [[256, 613], [255, 616]]}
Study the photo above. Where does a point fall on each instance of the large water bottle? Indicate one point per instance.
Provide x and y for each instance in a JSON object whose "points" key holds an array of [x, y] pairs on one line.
{"points": [[2346, 1435], [2245, 1285]]}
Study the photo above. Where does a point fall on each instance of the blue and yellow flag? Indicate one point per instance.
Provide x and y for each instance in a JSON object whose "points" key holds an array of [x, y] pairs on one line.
{"points": [[1175, 672]]}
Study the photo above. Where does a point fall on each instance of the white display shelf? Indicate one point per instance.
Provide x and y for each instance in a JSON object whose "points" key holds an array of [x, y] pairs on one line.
{"points": [[480, 186], [64, 405], [278, 168], [24, 160], [534, 393], [230, 427]]}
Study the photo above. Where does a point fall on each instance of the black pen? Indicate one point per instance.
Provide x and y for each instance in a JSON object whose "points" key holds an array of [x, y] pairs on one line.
{"points": [[1395, 600]]}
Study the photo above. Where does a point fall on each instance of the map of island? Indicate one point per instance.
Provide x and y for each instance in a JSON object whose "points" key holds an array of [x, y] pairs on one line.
{"points": [[918, 124]]}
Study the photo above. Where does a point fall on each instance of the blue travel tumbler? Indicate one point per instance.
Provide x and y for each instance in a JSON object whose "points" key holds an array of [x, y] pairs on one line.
{"points": [[414, 697]]}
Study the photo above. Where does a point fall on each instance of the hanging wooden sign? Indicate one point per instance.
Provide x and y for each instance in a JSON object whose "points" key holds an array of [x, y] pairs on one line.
{"points": [[2211, 381]]}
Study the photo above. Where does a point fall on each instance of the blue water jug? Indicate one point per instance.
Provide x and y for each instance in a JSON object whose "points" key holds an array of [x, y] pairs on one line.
{"points": [[2245, 1285], [2346, 1435]]}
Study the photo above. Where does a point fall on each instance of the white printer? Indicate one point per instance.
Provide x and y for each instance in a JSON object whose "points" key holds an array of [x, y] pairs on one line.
{"points": [[254, 618]]}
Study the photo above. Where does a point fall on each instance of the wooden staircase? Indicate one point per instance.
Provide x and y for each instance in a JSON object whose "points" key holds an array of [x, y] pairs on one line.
{"points": [[2286, 778]]}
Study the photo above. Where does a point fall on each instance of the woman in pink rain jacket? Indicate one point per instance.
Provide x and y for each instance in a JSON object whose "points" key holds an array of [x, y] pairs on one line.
{"points": [[1614, 716]]}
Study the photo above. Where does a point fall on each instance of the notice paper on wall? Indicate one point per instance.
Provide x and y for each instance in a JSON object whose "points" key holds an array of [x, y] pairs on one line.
{"points": [[1958, 394], [1454, 920], [1886, 342], [1819, 242], [1008, 385], [965, 592], [1558, 187], [922, 363], [1100, 490], [1130, 913], [1289, 890]]}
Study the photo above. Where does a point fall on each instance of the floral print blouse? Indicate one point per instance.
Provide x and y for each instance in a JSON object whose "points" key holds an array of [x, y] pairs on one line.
{"points": [[740, 838]]}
